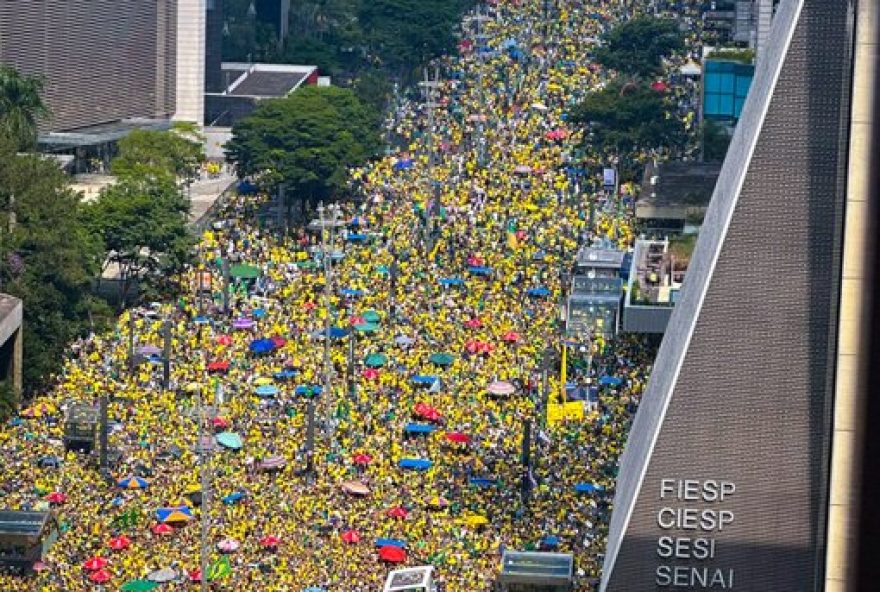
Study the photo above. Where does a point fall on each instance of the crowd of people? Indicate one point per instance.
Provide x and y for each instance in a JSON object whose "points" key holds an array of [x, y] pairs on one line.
{"points": [[446, 278]]}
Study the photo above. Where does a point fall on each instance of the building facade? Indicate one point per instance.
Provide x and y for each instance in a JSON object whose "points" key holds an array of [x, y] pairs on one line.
{"points": [[101, 60], [724, 483]]}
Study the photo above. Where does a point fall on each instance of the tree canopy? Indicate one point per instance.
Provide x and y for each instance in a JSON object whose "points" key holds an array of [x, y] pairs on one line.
{"points": [[21, 107], [637, 47], [48, 258], [175, 154], [307, 141]]}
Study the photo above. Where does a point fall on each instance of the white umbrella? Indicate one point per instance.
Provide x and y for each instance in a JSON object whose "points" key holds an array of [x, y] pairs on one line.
{"points": [[501, 388], [166, 574], [691, 69]]}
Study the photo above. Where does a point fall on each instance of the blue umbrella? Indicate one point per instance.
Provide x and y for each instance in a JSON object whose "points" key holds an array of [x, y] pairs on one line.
{"points": [[419, 428], [133, 483], [451, 281], [588, 487], [480, 270], [261, 346], [179, 514], [335, 333], [356, 237], [247, 188], [285, 374], [424, 379], [233, 497], [266, 390], [404, 164], [550, 542], [416, 464], [358, 221], [258, 313], [351, 292], [309, 390], [229, 440], [538, 292], [384, 542], [404, 340], [509, 43], [202, 320], [314, 589], [482, 482], [610, 381]]}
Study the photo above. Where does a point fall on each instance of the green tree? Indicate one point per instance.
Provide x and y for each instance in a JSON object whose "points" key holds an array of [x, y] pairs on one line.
{"points": [[21, 107], [637, 47], [48, 258], [142, 222], [628, 121], [175, 154], [307, 141]]}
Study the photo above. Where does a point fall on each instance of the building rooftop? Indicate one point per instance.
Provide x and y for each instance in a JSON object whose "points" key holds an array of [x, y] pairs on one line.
{"points": [[22, 524], [101, 133], [678, 184], [599, 257], [264, 80]]}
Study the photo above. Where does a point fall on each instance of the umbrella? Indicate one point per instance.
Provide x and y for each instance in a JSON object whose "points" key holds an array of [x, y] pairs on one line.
{"points": [[481, 482], [522, 169], [218, 366], [266, 390], [403, 164], [370, 373], [451, 281], [588, 488], [659, 86], [270, 542], [273, 462], [229, 440], [501, 388], [441, 359], [511, 337], [356, 237], [202, 320], [362, 459], [139, 586], [351, 292], [224, 340], [416, 464], [221, 422], [351, 536], [550, 542], [385, 542], [610, 381], [480, 270], [278, 341], [426, 412], [285, 374], [228, 546], [371, 316], [195, 575], [458, 437], [102, 576], [56, 497], [95, 563], [539, 292], [149, 350], [392, 554], [419, 428], [398, 512], [258, 313], [49, 461], [376, 360], [133, 483], [355, 488], [315, 589], [119, 543], [166, 574], [438, 502], [356, 320], [261, 346], [233, 497], [244, 272], [172, 515], [163, 529], [243, 323], [367, 327], [309, 390], [404, 340], [473, 323]]}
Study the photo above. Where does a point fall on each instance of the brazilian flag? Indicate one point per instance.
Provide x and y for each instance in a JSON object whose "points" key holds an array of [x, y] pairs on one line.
{"points": [[219, 569]]}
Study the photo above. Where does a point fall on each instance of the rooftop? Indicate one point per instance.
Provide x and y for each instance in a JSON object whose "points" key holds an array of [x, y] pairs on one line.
{"points": [[264, 80], [599, 257], [29, 524], [678, 184], [101, 133]]}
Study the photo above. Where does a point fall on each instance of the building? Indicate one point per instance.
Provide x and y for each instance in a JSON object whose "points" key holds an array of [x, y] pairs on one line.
{"points": [[725, 87], [593, 305], [11, 314], [674, 195], [748, 466], [276, 14], [191, 59], [654, 288]]}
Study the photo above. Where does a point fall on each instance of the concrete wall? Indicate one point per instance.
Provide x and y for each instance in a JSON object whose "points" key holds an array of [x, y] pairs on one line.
{"points": [[191, 15]]}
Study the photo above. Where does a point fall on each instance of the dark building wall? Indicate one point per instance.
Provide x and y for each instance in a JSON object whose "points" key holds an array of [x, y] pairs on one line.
{"points": [[102, 60], [214, 47], [743, 382]]}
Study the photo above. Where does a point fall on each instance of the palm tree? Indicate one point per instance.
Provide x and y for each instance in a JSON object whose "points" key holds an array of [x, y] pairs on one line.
{"points": [[21, 107]]}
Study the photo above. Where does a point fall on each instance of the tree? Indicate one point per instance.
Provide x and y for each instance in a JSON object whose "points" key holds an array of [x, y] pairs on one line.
{"points": [[628, 121], [307, 141], [637, 47], [175, 154], [21, 107], [142, 222], [715, 141], [48, 257]]}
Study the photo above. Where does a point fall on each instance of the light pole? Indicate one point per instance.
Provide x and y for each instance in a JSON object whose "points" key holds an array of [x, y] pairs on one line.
{"points": [[205, 459]]}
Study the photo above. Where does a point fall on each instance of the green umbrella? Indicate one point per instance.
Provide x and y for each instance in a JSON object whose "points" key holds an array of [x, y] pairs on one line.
{"points": [[242, 271], [367, 327], [376, 360], [371, 316], [230, 440], [139, 586], [441, 359], [308, 264]]}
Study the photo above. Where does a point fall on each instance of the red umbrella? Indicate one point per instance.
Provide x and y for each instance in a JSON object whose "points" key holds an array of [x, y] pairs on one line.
{"points": [[279, 341], [473, 323], [362, 459], [356, 320], [270, 541], [310, 306], [472, 346], [370, 373], [119, 543], [101, 576], [95, 563], [220, 422], [351, 536], [475, 260], [485, 348], [218, 366], [56, 497], [458, 437], [511, 337], [392, 554], [659, 86], [224, 340], [195, 575], [398, 512], [163, 529]]}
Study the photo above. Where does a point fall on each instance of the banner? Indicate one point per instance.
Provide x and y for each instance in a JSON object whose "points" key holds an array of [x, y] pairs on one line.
{"points": [[557, 412], [609, 178]]}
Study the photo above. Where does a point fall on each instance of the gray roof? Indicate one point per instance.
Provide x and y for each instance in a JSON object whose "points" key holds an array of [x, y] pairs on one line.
{"points": [[260, 83], [679, 183], [28, 524]]}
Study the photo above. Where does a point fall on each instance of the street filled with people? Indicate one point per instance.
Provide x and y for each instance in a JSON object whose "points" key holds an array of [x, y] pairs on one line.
{"points": [[419, 381]]}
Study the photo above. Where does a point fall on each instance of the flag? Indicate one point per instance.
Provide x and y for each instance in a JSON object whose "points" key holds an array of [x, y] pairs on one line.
{"points": [[219, 569]]}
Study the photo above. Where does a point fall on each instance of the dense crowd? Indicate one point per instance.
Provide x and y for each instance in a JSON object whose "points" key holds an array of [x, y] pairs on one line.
{"points": [[460, 256]]}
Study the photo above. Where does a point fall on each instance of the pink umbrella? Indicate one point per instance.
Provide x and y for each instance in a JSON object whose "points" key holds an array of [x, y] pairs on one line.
{"points": [[163, 529], [511, 337], [392, 554], [56, 497], [279, 341], [102, 576], [119, 543], [224, 340], [458, 437], [362, 459], [474, 323], [270, 542], [221, 422], [356, 320], [501, 388], [95, 563], [351, 536], [398, 512], [228, 546], [370, 373], [195, 575]]}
